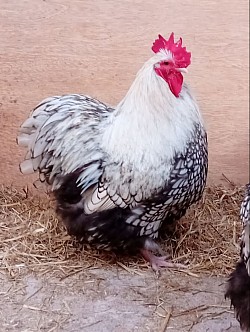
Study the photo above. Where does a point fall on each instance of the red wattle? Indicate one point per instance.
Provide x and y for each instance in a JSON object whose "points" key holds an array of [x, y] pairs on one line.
{"points": [[175, 81], [173, 78]]}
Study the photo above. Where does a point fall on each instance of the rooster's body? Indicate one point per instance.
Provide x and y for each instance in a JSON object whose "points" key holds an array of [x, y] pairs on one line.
{"points": [[119, 173], [238, 287]]}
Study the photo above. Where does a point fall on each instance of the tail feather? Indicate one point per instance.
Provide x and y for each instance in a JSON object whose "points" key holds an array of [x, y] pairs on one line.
{"points": [[23, 139], [28, 166], [29, 124], [57, 137], [27, 137]]}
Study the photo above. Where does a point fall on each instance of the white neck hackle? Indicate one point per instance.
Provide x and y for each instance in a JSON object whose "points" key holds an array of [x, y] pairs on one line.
{"points": [[150, 124]]}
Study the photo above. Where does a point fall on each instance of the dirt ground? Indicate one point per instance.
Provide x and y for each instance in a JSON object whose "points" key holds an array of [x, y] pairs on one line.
{"points": [[52, 47], [116, 300]]}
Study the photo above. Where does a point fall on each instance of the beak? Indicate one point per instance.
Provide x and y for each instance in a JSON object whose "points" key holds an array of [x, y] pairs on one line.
{"points": [[182, 70]]}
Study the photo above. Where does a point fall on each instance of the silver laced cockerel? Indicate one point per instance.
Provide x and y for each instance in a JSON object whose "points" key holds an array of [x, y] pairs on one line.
{"points": [[238, 286], [119, 173]]}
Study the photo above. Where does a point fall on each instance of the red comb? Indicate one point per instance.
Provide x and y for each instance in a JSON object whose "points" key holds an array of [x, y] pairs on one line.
{"points": [[181, 56]]}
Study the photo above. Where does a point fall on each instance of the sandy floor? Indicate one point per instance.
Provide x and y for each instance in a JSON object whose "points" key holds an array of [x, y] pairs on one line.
{"points": [[116, 300]]}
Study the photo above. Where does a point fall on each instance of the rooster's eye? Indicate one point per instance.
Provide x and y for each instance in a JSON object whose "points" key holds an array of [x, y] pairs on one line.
{"points": [[166, 63]]}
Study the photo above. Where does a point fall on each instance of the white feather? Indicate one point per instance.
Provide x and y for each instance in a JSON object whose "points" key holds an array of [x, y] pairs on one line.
{"points": [[23, 139], [27, 167], [94, 201]]}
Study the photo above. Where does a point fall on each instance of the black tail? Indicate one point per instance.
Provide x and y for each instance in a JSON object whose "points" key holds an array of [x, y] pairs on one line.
{"points": [[69, 192], [106, 229], [238, 291], [70, 205]]}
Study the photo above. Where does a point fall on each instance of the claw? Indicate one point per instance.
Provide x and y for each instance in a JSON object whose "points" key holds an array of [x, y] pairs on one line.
{"points": [[160, 261]]}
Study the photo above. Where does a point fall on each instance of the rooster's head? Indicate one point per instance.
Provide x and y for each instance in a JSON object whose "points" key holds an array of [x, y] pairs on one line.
{"points": [[172, 60]]}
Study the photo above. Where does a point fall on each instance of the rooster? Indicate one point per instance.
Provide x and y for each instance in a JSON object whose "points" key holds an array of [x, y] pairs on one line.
{"points": [[119, 173], [238, 286]]}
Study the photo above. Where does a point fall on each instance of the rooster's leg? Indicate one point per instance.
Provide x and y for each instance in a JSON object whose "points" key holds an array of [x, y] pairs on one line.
{"points": [[157, 261]]}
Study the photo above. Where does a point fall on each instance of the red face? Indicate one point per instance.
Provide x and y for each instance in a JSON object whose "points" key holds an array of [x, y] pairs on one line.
{"points": [[171, 70], [171, 74]]}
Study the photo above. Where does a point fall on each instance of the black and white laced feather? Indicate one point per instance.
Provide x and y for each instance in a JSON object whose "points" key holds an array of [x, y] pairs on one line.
{"points": [[238, 287], [119, 173]]}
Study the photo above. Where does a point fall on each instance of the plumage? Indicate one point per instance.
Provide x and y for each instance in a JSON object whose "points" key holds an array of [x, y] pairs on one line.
{"points": [[119, 173], [238, 286]]}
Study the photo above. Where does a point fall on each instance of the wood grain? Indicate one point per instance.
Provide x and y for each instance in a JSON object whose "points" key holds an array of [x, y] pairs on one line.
{"points": [[96, 47]]}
